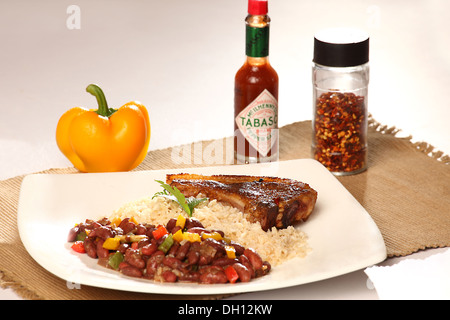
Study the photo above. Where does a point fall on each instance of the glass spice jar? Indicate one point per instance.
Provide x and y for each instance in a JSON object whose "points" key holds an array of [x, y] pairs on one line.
{"points": [[340, 78]]}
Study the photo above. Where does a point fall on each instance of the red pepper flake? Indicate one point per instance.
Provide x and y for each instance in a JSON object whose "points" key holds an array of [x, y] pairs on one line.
{"points": [[340, 131]]}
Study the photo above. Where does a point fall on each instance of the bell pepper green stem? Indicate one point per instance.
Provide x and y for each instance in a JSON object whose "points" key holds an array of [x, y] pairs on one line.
{"points": [[103, 109]]}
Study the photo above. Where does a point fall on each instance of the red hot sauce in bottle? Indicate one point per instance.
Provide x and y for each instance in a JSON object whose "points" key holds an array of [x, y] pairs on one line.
{"points": [[256, 93]]}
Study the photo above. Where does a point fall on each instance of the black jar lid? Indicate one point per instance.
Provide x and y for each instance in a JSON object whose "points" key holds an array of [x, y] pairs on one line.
{"points": [[341, 47]]}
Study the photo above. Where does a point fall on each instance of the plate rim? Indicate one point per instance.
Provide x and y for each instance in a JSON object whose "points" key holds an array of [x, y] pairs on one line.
{"points": [[163, 288]]}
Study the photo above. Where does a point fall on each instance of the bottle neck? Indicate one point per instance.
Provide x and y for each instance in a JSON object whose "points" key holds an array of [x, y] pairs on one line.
{"points": [[257, 36], [256, 62]]}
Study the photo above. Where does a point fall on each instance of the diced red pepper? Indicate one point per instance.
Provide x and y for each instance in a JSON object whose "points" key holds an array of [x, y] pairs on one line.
{"points": [[231, 274], [135, 245], [159, 232], [78, 247]]}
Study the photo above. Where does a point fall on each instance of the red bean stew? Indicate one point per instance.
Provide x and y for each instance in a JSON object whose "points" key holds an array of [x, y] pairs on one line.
{"points": [[182, 250]]}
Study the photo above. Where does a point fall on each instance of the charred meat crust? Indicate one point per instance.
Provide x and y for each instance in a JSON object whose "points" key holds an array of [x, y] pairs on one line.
{"points": [[271, 201]]}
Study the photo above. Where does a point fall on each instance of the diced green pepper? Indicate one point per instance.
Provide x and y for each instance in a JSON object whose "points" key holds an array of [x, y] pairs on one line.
{"points": [[167, 244], [81, 236], [115, 259]]}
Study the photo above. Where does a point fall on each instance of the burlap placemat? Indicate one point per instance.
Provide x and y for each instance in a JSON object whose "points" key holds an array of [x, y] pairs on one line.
{"points": [[406, 190]]}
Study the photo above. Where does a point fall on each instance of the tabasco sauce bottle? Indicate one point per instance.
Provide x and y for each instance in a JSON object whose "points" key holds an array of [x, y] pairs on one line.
{"points": [[256, 93]]}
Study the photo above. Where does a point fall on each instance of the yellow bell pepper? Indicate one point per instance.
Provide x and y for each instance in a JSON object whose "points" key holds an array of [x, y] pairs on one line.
{"points": [[104, 140], [116, 221], [181, 221], [231, 252], [214, 235], [133, 219], [112, 243], [178, 236], [191, 237]]}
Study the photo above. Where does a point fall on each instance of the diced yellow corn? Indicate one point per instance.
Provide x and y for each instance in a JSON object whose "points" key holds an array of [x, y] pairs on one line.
{"points": [[178, 236], [112, 243], [215, 235], [181, 221], [231, 252]]}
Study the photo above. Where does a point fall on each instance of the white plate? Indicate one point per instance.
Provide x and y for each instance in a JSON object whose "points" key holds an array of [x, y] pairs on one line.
{"points": [[341, 233]]}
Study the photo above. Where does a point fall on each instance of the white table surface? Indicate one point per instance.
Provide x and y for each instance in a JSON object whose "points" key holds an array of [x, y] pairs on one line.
{"points": [[179, 59]]}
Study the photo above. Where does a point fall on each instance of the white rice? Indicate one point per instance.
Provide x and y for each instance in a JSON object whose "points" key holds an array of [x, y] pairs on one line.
{"points": [[275, 245]]}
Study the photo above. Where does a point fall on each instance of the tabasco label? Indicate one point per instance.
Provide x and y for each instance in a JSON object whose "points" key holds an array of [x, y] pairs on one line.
{"points": [[257, 121]]}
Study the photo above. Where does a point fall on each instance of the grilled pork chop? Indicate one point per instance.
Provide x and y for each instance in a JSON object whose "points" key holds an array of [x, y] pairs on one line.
{"points": [[269, 200]]}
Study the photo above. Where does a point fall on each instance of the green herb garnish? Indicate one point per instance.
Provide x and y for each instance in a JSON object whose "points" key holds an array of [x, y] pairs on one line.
{"points": [[174, 194]]}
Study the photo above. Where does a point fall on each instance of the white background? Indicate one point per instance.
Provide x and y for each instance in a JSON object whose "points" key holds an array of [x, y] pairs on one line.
{"points": [[179, 59]]}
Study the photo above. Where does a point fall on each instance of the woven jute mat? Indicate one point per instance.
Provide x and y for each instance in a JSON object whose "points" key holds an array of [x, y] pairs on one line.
{"points": [[406, 190]]}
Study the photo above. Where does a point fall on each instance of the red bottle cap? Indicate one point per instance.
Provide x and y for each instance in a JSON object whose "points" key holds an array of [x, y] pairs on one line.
{"points": [[257, 7]]}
